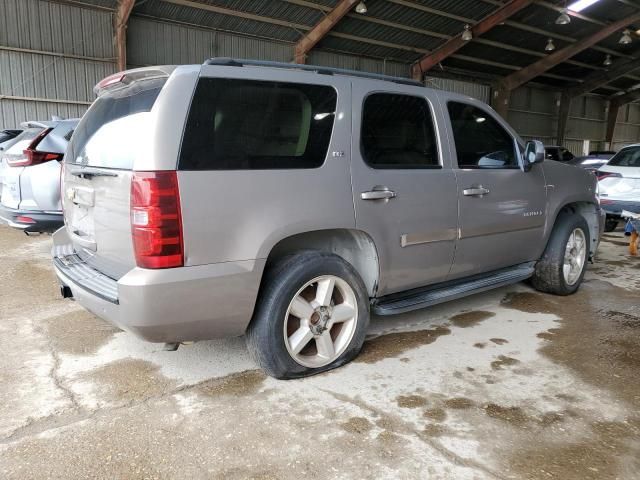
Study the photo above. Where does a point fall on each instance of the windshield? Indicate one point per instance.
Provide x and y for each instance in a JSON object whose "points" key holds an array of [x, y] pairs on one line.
{"points": [[627, 157]]}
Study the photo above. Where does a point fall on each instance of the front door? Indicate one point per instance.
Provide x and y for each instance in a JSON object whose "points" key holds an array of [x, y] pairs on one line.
{"points": [[502, 207], [404, 196]]}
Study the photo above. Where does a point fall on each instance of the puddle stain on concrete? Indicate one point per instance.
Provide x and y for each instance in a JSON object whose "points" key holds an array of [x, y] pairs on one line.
{"points": [[411, 401], [498, 341], [395, 344], [79, 332], [357, 425], [128, 380], [470, 319], [235, 385], [504, 361], [479, 345], [436, 414], [459, 403]]}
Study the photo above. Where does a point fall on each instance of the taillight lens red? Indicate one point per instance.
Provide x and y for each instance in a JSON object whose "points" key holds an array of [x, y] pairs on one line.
{"points": [[33, 157], [156, 221], [602, 175]]}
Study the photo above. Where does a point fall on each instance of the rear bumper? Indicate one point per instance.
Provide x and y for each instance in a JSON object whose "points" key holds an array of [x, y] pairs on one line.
{"points": [[169, 305], [41, 221], [614, 207]]}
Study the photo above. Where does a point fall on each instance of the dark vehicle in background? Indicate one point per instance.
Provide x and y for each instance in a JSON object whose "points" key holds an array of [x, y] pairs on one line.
{"points": [[593, 161], [619, 185], [30, 176], [6, 135], [557, 153]]}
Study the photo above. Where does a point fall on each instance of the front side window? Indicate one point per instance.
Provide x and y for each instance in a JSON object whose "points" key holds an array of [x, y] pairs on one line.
{"points": [[481, 142], [257, 125], [627, 157], [398, 132]]}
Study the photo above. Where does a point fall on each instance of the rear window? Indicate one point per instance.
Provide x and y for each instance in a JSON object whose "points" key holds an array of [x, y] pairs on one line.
{"points": [[111, 106], [23, 141], [255, 125], [628, 157]]}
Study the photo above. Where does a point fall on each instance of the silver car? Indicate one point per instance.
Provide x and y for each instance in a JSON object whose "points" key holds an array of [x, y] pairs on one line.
{"points": [[30, 176], [287, 203]]}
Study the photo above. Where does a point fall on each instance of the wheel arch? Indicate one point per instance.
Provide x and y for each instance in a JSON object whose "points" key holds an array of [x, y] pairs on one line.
{"points": [[354, 246], [590, 212]]}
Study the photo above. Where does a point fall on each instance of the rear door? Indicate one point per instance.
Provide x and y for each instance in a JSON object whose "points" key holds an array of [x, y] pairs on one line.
{"points": [[110, 138], [502, 207], [404, 193]]}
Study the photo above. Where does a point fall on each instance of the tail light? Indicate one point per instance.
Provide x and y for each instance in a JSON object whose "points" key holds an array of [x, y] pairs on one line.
{"points": [[156, 223], [33, 157], [600, 175]]}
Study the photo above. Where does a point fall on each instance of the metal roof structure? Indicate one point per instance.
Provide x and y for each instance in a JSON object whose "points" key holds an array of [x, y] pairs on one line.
{"points": [[407, 30]]}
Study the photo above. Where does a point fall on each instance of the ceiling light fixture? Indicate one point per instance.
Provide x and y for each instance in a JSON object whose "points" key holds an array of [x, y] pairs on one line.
{"points": [[625, 39], [361, 8], [607, 60], [550, 47], [581, 5], [467, 35], [563, 18]]}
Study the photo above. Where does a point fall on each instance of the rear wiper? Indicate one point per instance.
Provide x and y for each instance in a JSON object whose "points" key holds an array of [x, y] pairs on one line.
{"points": [[88, 172]]}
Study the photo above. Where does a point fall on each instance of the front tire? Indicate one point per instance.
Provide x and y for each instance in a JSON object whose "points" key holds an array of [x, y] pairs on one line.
{"points": [[562, 267], [311, 316]]}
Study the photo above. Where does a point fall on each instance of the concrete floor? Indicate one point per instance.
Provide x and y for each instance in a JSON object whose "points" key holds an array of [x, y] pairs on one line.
{"points": [[508, 384]]}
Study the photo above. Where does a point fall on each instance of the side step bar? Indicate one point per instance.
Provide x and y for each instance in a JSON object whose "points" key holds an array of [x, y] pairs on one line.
{"points": [[425, 297]]}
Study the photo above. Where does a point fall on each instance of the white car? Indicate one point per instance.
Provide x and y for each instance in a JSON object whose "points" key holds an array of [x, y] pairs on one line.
{"points": [[619, 184]]}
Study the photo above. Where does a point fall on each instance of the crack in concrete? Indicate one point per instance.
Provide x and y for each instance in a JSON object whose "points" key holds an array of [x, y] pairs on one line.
{"points": [[407, 428]]}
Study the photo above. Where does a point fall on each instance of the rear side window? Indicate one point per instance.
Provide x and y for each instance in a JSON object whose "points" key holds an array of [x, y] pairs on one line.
{"points": [[398, 132], [481, 142], [23, 141], [255, 125], [628, 157], [111, 106]]}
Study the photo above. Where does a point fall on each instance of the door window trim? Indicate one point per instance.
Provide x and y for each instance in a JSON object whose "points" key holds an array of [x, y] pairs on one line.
{"points": [[436, 133]]}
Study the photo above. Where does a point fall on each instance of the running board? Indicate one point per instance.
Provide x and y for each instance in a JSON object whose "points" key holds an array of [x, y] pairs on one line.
{"points": [[425, 297]]}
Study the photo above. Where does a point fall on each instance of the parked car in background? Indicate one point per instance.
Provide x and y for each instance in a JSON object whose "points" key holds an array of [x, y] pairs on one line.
{"points": [[619, 185], [30, 176], [557, 153], [593, 161], [235, 198], [6, 135]]}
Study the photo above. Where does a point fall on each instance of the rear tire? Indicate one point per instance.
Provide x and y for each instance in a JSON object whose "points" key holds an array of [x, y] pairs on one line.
{"points": [[610, 224], [562, 267], [311, 316]]}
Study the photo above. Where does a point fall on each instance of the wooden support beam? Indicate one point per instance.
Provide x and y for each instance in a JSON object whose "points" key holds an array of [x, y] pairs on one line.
{"points": [[612, 119], [597, 79], [563, 117], [120, 25], [318, 32], [450, 47], [530, 72]]}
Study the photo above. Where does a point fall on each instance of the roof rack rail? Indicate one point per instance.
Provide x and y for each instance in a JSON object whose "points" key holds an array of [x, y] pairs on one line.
{"points": [[238, 62]]}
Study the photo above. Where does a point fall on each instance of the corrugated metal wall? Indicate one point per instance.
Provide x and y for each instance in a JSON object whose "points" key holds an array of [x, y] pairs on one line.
{"points": [[475, 90], [51, 56]]}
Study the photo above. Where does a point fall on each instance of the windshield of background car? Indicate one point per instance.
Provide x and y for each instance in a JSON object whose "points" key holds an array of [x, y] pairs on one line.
{"points": [[627, 157]]}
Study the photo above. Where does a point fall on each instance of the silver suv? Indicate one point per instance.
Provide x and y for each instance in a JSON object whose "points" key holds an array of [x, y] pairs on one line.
{"points": [[289, 202]]}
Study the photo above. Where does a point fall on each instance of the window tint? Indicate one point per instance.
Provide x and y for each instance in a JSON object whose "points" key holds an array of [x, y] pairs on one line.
{"points": [[480, 140], [245, 124], [628, 157], [398, 132]]}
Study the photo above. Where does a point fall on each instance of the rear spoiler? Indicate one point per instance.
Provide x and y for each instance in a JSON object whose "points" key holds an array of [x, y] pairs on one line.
{"points": [[127, 77]]}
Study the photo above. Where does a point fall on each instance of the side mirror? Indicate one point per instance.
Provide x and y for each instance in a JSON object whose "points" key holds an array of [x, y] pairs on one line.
{"points": [[533, 153]]}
